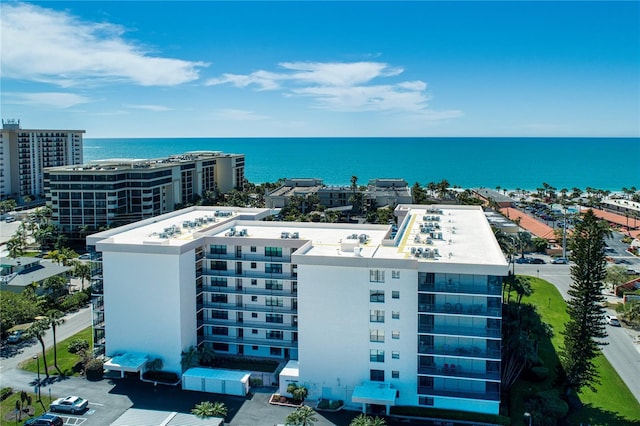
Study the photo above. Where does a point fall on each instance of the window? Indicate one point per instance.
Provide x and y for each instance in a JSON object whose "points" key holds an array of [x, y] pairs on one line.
{"points": [[273, 268], [219, 298], [425, 400], [273, 251], [273, 284], [254, 348], [276, 318], [218, 281], [395, 294], [221, 347], [376, 375], [395, 355], [253, 265], [376, 275], [376, 296], [275, 335], [376, 335], [254, 282], [254, 331], [253, 249], [218, 249], [254, 298], [395, 274], [275, 351], [219, 265], [376, 315], [376, 355], [220, 331], [254, 315], [274, 301], [395, 314], [395, 334], [219, 314], [395, 374]]}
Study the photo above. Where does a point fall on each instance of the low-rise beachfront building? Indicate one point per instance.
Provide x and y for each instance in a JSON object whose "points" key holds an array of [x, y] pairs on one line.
{"points": [[372, 320], [108, 192], [378, 193]]}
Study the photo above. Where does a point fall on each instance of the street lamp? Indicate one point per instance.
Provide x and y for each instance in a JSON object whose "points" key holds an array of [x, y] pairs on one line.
{"points": [[528, 415], [38, 362]]}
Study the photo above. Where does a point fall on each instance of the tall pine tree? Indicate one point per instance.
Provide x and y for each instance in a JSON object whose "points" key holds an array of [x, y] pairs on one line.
{"points": [[586, 327]]}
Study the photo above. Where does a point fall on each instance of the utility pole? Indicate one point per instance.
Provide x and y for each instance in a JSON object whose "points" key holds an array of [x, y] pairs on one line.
{"points": [[564, 234]]}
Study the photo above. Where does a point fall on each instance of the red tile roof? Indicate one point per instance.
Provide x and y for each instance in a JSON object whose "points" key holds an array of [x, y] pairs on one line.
{"points": [[537, 228], [615, 218]]}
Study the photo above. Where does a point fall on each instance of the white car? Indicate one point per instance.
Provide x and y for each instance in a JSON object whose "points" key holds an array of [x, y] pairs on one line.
{"points": [[70, 404], [612, 320]]}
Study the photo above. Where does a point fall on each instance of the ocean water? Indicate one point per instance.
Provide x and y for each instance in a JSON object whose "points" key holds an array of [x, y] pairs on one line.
{"points": [[526, 163]]}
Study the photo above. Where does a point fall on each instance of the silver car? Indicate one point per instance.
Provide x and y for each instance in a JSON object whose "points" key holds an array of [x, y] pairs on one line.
{"points": [[70, 404]]}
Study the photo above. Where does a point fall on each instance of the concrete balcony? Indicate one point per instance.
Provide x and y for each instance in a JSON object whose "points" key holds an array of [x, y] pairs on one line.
{"points": [[249, 290], [253, 341], [250, 308], [455, 370], [460, 331], [460, 309], [487, 396], [460, 351], [442, 287]]}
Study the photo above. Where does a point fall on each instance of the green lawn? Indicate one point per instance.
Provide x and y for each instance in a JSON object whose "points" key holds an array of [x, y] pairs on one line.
{"points": [[7, 407], [613, 403], [66, 360]]}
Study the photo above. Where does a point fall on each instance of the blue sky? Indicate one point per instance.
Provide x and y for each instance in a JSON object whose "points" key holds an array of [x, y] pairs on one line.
{"points": [[269, 69]]}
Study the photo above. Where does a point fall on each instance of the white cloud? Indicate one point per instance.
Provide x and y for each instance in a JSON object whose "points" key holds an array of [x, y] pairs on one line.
{"points": [[55, 47], [238, 115], [46, 99], [155, 108], [343, 87]]}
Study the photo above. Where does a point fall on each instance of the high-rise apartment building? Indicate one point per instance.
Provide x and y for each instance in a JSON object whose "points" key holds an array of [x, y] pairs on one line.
{"points": [[109, 192], [371, 317], [25, 153]]}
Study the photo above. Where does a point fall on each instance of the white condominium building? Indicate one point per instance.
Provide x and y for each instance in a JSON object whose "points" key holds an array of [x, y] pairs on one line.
{"points": [[371, 319], [25, 153]]}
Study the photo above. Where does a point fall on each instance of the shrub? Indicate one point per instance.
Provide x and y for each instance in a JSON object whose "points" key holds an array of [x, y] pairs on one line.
{"points": [[5, 393], [74, 301], [539, 374], [257, 382], [94, 369]]}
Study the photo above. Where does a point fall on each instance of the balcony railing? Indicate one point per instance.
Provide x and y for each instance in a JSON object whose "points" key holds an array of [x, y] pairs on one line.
{"points": [[460, 351], [250, 341], [441, 287], [284, 326], [460, 331], [249, 290], [252, 273], [252, 257], [251, 307], [488, 396], [453, 370], [460, 309]]}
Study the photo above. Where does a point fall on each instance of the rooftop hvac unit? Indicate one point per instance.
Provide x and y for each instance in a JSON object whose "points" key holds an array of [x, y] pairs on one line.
{"points": [[295, 235]]}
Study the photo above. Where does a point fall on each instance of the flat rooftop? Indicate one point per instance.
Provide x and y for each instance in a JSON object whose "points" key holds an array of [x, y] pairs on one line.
{"points": [[440, 234]]}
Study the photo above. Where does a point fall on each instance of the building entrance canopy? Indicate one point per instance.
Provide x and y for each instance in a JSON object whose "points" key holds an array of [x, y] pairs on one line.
{"points": [[374, 393], [128, 362]]}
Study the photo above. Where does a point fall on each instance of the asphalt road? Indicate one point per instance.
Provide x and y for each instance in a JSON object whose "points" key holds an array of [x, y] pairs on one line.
{"points": [[621, 351]]}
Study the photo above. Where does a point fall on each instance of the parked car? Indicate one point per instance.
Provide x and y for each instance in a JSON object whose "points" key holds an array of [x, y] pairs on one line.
{"points": [[10, 219], [16, 336], [537, 261], [612, 320], [45, 420], [560, 261], [523, 260], [85, 256], [70, 404]]}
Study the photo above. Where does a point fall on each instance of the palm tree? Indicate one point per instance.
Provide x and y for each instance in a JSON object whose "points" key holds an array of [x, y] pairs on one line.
{"points": [[523, 240], [55, 318], [190, 358], [81, 270], [14, 247], [208, 409], [299, 393], [303, 416], [54, 285], [38, 329]]}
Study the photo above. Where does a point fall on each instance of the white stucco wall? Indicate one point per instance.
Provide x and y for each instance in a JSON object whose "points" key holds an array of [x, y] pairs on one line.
{"points": [[334, 322], [150, 305]]}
